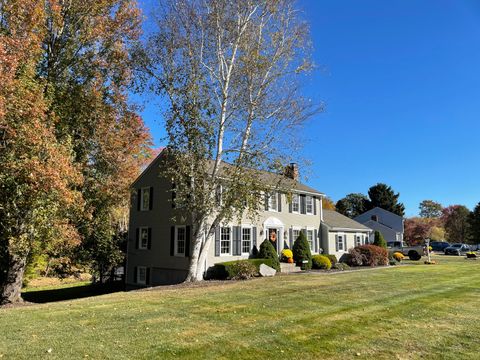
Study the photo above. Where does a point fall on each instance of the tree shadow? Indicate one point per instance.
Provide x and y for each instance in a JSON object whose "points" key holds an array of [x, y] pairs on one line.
{"points": [[74, 292]]}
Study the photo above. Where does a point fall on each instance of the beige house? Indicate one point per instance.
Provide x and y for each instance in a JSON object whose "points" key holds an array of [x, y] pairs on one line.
{"points": [[159, 249]]}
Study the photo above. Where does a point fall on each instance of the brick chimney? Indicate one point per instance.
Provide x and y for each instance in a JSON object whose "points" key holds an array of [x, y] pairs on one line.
{"points": [[291, 171]]}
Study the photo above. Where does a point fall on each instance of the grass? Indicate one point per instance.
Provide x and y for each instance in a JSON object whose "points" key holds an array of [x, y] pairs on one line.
{"points": [[404, 312]]}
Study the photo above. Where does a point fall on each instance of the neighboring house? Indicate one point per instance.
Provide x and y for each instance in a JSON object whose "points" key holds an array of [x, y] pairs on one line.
{"points": [[389, 224], [158, 249], [338, 233]]}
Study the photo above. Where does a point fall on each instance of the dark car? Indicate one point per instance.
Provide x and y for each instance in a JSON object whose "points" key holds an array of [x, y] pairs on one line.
{"points": [[457, 249], [439, 245]]}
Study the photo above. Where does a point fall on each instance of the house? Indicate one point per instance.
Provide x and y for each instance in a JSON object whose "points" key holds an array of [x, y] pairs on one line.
{"points": [[158, 249], [338, 233], [389, 224]]}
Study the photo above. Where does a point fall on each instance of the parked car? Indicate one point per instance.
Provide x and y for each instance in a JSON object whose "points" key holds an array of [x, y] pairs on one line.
{"points": [[457, 249], [439, 245], [413, 252]]}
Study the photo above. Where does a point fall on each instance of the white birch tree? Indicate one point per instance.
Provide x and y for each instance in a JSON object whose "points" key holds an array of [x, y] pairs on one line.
{"points": [[229, 76]]}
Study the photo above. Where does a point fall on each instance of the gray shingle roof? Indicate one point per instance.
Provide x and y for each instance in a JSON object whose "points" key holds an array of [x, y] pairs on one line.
{"points": [[334, 219]]}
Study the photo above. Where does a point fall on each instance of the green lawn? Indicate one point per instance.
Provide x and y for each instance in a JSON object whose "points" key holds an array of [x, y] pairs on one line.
{"points": [[405, 312]]}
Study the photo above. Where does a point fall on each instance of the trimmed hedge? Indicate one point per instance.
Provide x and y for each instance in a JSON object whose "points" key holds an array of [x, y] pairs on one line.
{"points": [[237, 269], [368, 255], [321, 262]]}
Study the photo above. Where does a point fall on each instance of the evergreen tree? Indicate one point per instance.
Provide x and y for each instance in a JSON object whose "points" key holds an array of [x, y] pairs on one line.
{"points": [[379, 240], [474, 222], [352, 205], [301, 252], [267, 251], [383, 196]]}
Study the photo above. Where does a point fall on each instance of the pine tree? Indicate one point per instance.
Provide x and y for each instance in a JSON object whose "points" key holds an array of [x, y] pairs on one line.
{"points": [[267, 251], [379, 240]]}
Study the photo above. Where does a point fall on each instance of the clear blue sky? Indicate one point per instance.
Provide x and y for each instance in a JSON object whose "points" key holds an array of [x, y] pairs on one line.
{"points": [[401, 83]]}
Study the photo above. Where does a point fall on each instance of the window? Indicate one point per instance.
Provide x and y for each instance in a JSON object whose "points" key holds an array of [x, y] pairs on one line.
{"points": [[143, 241], [295, 203], [295, 234], [358, 240], [340, 242], [145, 199], [310, 239], [272, 202], [141, 275], [180, 240], [309, 205], [246, 240], [225, 240]]}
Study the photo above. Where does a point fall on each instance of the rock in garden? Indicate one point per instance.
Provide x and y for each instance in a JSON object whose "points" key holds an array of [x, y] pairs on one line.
{"points": [[266, 270]]}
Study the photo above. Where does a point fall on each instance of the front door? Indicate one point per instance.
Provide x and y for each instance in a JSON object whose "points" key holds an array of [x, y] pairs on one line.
{"points": [[273, 237]]}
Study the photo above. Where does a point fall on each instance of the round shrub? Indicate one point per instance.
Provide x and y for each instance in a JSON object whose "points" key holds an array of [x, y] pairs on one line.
{"points": [[333, 258], [398, 256], [243, 270], [368, 255], [379, 240], [321, 262], [341, 266], [301, 252], [267, 251]]}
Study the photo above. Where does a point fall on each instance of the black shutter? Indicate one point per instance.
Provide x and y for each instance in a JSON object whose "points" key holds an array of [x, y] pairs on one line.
{"points": [[266, 201], [174, 195], [187, 241], [336, 242], [292, 240], [254, 236], [314, 205], [172, 241], [217, 241], [315, 240], [149, 242], [147, 276], [279, 205], [303, 205], [135, 274], [237, 240], [150, 203], [137, 239], [139, 198]]}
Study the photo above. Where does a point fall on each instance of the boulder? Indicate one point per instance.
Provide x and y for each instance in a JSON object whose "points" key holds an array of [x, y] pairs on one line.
{"points": [[266, 270]]}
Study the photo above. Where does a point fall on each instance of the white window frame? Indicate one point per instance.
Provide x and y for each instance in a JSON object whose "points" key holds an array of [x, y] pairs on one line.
{"points": [[344, 242], [273, 196], [358, 237], [297, 203], [312, 244], [140, 245], [241, 239], [176, 252], [306, 204], [295, 228], [142, 208], [230, 240], [139, 281]]}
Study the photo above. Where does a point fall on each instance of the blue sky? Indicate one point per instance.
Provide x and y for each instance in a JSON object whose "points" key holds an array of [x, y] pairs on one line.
{"points": [[401, 83]]}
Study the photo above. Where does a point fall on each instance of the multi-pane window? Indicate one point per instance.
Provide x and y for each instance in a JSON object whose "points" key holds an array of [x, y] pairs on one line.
{"points": [[295, 203], [272, 202], [309, 204], [340, 242], [143, 238], [141, 275], [358, 240], [225, 240], [246, 240], [310, 238], [295, 234], [181, 238], [145, 199]]}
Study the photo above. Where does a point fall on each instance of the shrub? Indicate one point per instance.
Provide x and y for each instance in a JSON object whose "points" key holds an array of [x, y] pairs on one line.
{"points": [[267, 251], [379, 240], [254, 252], [333, 258], [237, 269], [321, 262], [286, 254], [398, 256], [341, 266], [301, 252], [368, 255]]}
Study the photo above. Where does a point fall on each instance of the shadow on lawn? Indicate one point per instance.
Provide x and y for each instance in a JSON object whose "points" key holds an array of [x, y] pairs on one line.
{"points": [[74, 292]]}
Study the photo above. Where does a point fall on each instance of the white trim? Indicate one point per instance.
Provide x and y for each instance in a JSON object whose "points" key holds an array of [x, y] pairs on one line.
{"points": [[312, 229], [249, 226], [349, 230], [298, 203], [273, 195], [175, 242], [231, 241], [362, 239], [344, 241], [141, 198], [306, 207], [138, 281], [140, 247]]}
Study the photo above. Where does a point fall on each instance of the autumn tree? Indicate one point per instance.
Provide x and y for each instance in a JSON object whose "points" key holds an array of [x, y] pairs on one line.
{"points": [[37, 178], [352, 205], [416, 230], [383, 196], [430, 209], [328, 204], [230, 75], [455, 218]]}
